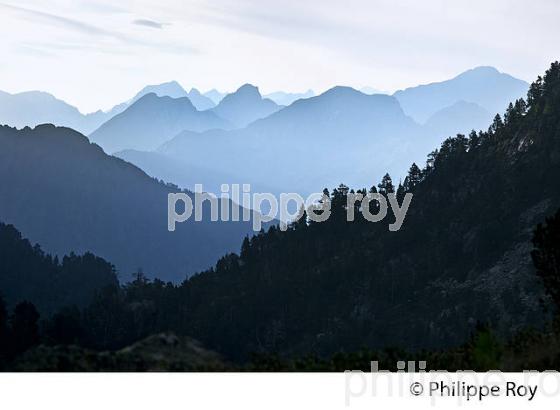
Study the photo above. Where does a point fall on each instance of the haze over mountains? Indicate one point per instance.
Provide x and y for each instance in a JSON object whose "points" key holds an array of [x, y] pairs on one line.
{"points": [[151, 121], [461, 117], [293, 149], [248, 138], [298, 148], [174, 90], [484, 86], [35, 107], [32, 108]]}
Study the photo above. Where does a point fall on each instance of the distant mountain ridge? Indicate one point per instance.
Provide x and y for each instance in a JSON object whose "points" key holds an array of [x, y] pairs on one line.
{"points": [[484, 86], [467, 101], [292, 148], [461, 117], [32, 108], [151, 121], [174, 90], [305, 130]]}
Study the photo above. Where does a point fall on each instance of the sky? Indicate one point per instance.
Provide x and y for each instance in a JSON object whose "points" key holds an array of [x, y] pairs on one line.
{"points": [[95, 54]]}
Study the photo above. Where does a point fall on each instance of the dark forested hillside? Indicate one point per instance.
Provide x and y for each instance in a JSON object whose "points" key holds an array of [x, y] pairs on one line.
{"points": [[27, 273], [462, 256]]}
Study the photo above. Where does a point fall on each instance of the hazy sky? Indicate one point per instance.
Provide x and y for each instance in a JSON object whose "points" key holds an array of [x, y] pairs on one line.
{"points": [[97, 53]]}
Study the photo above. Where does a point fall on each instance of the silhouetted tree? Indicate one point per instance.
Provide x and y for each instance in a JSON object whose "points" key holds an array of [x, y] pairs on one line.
{"points": [[338, 204], [386, 186], [431, 162], [535, 92], [413, 178], [474, 140], [301, 223], [497, 124]]}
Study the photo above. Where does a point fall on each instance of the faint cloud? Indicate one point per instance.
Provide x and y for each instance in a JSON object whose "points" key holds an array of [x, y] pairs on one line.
{"points": [[93, 30], [148, 23], [57, 20]]}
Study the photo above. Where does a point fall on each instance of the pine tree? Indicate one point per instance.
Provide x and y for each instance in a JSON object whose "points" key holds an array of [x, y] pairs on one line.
{"points": [[338, 203], [474, 140], [414, 178], [497, 124], [386, 186], [521, 106], [302, 221], [400, 192], [535, 92], [431, 162]]}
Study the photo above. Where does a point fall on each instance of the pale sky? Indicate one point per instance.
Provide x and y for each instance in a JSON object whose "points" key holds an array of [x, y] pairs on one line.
{"points": [[94, 54]]}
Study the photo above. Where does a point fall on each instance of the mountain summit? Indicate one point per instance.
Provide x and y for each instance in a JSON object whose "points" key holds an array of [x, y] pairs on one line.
{"points": [[170, 89], [245, 106], [484, 86], [151, 121], [32, 108], [174, 90]]}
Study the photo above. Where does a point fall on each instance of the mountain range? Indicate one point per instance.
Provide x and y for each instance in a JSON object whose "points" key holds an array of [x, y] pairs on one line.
{"points": [[32, 108], [297, 147], [293, 148], [173, 133]]}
